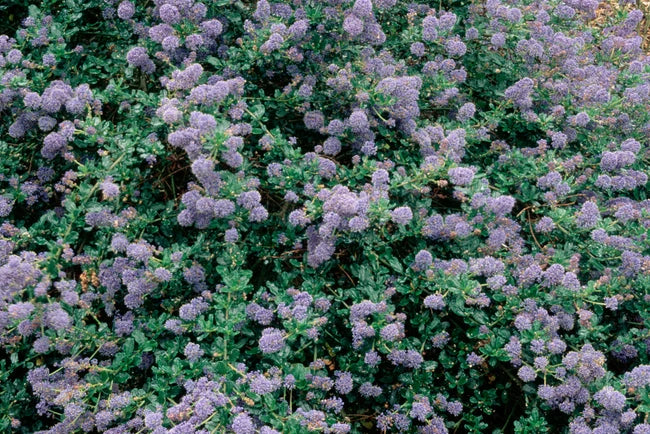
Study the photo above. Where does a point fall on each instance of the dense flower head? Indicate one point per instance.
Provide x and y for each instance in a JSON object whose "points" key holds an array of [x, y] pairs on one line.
{"points": [[401, 215], [138, 57], [588, 216], [462, 176], [610, 398], [272, 340], [125, 10]]}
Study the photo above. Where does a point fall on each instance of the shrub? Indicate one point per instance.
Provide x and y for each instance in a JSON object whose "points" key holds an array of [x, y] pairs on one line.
{"points": [[336, 216]]}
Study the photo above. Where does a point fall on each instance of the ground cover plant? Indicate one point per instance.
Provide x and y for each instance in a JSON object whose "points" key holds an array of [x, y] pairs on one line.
{"points": [[324, 216]]}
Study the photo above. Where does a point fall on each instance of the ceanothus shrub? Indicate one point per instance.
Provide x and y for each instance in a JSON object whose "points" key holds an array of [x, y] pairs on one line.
{"points": [[337, 216]]}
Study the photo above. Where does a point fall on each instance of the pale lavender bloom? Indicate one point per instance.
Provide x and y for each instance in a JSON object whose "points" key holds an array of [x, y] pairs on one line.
{"points": [[174, 326], [343, 383], [139, 58], [553, 275], [125, 10], [556, 346], [170, 43], [57, 318], [262, 11], [358, 224], [211, 28], [203, 122], [261, 385], [371, 358], [193, 352], [274, 43], [342, 202], [272, 340], [139, 251], [298, 29], [289, 382], [46, 123], [369, 148], [299, 218], [169, 13], [53, 144], [314, 120], [401, 215], [42, 345], [336, 127], [119, 243], [339, 427], [380, 179], [49, 59], [462, 176], [550, 180], [331, 146], [110, 190], [498, 40], [631, 145], [358, 121], [353, 25], [258, 214], [455, 47], [423, 260], [223, 208], [581, 119], [326, 168], [570, 281], [392, 332], [434, 301], [611, 161], [447, 21], [368, 390], [527, 374], [501, 205], [6, 205], [473, 359], [243, 424], [588, 216], [32, 100], [14, 56], [407, 358], [103, 419], [194, 41], [162, 274], [20, 310], [231, 235], [160, 32], [638, 377], [418, 49], [471, 33], [611, 303], [520, 93], [540, 363], [274, 169], [454, 408], [123, 325], [466, 112], [420, 410], [362, 8], [610, 398], [430, 28], [190, 311], [186, 78], [523, 322], [513, 348]]}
